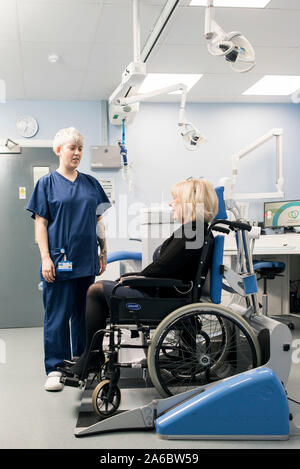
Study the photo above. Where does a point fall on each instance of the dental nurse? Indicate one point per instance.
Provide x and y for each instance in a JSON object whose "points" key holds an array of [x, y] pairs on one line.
{"points": [[68, 206]]}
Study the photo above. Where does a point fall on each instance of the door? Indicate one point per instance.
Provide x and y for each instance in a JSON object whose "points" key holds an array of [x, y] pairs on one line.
{"points": [[20, 299]]}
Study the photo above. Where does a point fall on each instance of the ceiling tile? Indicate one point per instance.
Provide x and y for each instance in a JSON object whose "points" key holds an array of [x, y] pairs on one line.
{"points": [[97, 87], [70, 57], [222, 85], [285, 4], [10, 56], [188, 27], [171, 58], [60, 85], [116, 25], [8, 20], [14, 85], [273, 28], [277, 60], [57, 22], [110, 61]]}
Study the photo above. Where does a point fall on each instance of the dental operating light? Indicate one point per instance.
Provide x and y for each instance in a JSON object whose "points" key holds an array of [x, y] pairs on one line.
{"points": [[192, 138], [124, 101], [235, 47]]}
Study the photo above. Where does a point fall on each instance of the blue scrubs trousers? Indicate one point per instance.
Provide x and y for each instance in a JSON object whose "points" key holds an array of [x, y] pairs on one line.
{"points": [[64, 323]]}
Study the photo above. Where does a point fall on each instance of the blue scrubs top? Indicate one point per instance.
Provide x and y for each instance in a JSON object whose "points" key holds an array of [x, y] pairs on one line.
{"points": [[71, 209]]}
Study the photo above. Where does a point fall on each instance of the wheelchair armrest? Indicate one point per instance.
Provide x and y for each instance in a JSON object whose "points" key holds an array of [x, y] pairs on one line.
{"points": [[127, 274], [139, 281]]}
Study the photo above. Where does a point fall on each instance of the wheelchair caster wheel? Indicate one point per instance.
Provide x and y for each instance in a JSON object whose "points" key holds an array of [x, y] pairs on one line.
{"points": [[105, 404]]}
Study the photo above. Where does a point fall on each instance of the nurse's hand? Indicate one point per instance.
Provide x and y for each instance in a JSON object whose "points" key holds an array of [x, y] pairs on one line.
{"points": [[48, 270], [102, 262]]}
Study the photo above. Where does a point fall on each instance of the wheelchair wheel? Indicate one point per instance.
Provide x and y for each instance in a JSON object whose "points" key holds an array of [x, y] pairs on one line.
{"points": [[104, 404], [200, 344]]}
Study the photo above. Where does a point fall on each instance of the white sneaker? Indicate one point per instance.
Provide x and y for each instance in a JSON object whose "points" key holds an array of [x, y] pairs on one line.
{"points": [[53, 382]]}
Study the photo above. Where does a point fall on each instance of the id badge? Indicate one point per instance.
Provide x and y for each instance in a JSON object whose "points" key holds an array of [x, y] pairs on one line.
{"points": [[65, 266]]}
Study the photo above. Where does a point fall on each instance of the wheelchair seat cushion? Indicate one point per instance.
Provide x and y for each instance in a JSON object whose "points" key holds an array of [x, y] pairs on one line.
{"points": [[130, 304], [124, 292]]}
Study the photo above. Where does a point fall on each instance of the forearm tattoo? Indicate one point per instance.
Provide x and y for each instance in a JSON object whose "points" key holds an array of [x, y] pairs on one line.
{"points": [[101, 236]]}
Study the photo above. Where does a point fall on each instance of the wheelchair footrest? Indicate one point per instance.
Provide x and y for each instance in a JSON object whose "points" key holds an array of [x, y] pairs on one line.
{"points": [[69, 381]]}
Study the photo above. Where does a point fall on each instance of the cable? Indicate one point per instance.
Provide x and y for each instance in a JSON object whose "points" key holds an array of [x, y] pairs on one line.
{"points": [[293, 400]]}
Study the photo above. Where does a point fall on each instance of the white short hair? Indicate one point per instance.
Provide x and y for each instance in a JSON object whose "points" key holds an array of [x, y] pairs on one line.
{"points": [[68, 135]]}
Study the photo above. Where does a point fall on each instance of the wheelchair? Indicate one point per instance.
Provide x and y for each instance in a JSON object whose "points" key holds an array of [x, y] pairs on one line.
{"points": [[189, 340]]}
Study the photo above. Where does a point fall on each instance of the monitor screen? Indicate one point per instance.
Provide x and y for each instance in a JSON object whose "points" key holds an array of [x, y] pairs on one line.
{"points": [[282, 214]]}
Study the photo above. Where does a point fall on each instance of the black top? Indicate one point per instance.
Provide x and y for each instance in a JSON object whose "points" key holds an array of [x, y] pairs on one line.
{"points": [[179, 255]]}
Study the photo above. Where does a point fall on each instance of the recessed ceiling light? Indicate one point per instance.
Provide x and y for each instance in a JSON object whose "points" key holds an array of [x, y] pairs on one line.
{"points": [[275, 85], [155, 81], [233, 3]]}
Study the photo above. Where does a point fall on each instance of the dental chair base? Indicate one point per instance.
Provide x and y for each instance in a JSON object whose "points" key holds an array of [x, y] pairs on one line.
{"points": [[275, 340], [249, 406]]}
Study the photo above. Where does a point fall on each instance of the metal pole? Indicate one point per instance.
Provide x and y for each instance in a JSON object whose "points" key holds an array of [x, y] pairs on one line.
{"points": [[161, 23], [136, 32], [104, 123]]}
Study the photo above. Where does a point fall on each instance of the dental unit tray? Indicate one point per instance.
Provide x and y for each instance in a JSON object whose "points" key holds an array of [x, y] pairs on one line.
{"points": [[249, 406]]}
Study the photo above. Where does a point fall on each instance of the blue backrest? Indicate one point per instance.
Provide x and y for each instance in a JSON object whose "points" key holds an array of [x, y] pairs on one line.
{"points": [[216, 278], [221, 215]]}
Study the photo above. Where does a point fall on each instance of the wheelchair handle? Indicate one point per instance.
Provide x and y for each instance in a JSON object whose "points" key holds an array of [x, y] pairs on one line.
{"points": [[233, 225], [221, 229]]}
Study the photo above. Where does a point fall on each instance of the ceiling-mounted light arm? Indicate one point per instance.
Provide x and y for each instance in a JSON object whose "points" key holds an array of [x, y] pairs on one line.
{"points": [[136, 31], [158, 28], [144, 96], [137, 98], [210, 25], [233, 45], [124, 101], [191, 135], [135, 73], [230, 184]]}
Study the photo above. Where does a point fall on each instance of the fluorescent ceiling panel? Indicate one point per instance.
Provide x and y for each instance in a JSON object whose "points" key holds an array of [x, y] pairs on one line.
{"points": [[274, 85], [233, 3], [155, 81]]}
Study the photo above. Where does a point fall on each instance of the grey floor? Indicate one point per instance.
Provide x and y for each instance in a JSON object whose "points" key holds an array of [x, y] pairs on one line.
{"points": [[35, 419]]}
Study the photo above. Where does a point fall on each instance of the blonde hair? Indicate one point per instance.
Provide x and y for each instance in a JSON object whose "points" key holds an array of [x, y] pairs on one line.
{"points": [[198, 199], [68, 135]]}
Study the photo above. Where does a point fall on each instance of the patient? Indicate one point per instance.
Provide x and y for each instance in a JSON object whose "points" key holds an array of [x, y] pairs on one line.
{"points": [[194, 205]]}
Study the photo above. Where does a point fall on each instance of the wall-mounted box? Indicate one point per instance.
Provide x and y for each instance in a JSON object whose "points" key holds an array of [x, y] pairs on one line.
{"points": [[105, 157]]}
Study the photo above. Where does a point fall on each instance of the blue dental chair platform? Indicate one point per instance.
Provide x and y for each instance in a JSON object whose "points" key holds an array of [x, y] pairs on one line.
{"points": [[252, 405], [249, 406]]}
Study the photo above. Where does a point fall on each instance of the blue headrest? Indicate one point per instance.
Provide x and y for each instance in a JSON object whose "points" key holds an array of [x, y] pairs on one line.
{"points": [[221, 215], [216, 279]]}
